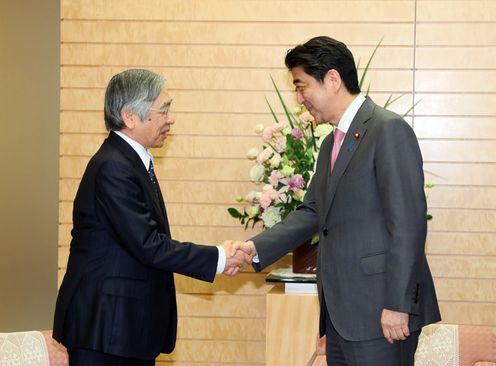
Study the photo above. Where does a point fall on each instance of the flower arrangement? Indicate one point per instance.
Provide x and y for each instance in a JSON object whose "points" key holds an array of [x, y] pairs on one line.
{"points": [[283, 167]]}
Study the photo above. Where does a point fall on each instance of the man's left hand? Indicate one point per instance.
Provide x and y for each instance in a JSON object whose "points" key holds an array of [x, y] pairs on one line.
{"points": [[394, 325]]}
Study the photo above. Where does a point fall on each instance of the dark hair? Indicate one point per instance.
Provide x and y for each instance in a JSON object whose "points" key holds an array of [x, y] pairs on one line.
{"points": [[321, 54], [132, 90]]}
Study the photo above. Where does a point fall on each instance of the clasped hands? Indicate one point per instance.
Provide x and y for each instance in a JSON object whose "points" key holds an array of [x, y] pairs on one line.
{"points": [[239, 255]]}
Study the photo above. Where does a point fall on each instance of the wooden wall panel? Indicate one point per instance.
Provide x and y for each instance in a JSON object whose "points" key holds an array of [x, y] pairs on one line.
{"points": [[466, 11], [455, 127], [456, 123], [241, 11], [201, 78], [150, 55], [201, 350], [227, 32], [461, 243], [478, 174], [217, 57]]}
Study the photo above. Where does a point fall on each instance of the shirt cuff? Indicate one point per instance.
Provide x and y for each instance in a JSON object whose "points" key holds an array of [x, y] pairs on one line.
{"points": [[221, 262], [256, 259]]}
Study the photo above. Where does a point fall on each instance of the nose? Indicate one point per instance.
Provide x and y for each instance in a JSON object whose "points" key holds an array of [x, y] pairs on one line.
{"points": [[299, 97], [170, 119]]}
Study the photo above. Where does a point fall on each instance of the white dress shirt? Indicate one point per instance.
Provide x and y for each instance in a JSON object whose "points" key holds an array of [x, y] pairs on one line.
{"points": [[350, 113]]}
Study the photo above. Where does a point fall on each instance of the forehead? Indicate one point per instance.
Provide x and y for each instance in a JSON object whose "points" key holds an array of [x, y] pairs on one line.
{"points": [[162, 99], [300, 76]]}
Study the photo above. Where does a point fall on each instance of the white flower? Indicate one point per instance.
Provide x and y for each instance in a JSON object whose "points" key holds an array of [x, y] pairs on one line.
{"points": [[287, 171], [275, 161], [254, 211], [298, 109], [252, 153], [257, 173], [323, 130], [251, 197], [265, 155], [286, 131], [306, 117], [271, 216], [259, 128]]}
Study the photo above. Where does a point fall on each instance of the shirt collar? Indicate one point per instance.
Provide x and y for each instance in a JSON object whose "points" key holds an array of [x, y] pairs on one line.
{"points": [[350, 113], [143, 153]]}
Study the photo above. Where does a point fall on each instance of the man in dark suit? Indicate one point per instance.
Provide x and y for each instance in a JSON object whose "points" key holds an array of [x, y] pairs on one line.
{"points": [[367, 202], [117, 302]]}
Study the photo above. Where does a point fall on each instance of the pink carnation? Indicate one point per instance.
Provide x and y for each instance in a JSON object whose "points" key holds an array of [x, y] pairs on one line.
{"points": [[281, 144], [267, 134], [269, 131], [296, 133], [267, 198], [296, 182], [279, 127], [274, 178]]}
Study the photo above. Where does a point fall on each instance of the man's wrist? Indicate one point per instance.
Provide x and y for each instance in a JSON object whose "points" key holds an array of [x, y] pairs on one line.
{"points": [[221, 262]]}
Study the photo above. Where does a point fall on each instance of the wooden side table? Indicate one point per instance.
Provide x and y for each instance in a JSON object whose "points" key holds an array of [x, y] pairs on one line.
{"points": [[292, 325]]}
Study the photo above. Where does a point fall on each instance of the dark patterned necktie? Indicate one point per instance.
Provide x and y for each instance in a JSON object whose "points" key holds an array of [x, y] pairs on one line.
{"points": [[156, 188], [153, 178]]}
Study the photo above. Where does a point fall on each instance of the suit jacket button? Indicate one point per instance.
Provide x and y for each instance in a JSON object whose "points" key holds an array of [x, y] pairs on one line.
{"points": [[325, 232]]}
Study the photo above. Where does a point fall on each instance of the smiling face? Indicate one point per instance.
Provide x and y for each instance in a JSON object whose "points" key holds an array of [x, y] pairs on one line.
{"points": [[319, 98], [152, 131]]}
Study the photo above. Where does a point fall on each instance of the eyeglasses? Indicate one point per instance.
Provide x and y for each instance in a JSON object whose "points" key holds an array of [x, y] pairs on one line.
{"points": [[164, 111]]}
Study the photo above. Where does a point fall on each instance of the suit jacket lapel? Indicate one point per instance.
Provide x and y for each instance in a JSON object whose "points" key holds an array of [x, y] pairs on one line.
{"points": [[164, 211], [131, 155], [352, 140]]}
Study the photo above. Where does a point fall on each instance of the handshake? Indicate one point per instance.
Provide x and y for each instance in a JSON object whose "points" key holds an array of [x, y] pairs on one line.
{"points": [[239, 255]]}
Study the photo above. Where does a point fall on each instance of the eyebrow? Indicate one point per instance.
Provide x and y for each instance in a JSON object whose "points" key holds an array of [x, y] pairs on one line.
{"points": [[296, 81], [166, 104]]}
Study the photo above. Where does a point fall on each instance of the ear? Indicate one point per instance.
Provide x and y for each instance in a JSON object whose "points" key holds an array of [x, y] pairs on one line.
{"points": [[333, 79], [129, 119]]}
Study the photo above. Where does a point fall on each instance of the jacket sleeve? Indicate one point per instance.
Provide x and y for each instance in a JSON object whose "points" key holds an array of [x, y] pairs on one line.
{"points": [[121, 201], [400, 180], [298, 227]]}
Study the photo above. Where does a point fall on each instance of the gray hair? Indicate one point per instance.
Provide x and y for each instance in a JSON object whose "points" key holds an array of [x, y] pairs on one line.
{"points": [[132, 90]]}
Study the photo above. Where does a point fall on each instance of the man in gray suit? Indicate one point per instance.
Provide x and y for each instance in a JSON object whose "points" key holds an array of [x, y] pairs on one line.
{"points": [[367, 202]]}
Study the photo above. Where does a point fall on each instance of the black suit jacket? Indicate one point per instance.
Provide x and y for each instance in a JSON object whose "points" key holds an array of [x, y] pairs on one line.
{"points": [[118, 293], [370, 213]]}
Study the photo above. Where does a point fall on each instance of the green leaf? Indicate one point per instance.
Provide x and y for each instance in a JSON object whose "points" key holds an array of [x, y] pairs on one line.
{"points": [[368, 64], [411, 108], [391, 100], [271, 110], [388, 99], [286, 110], [234, 213]]}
